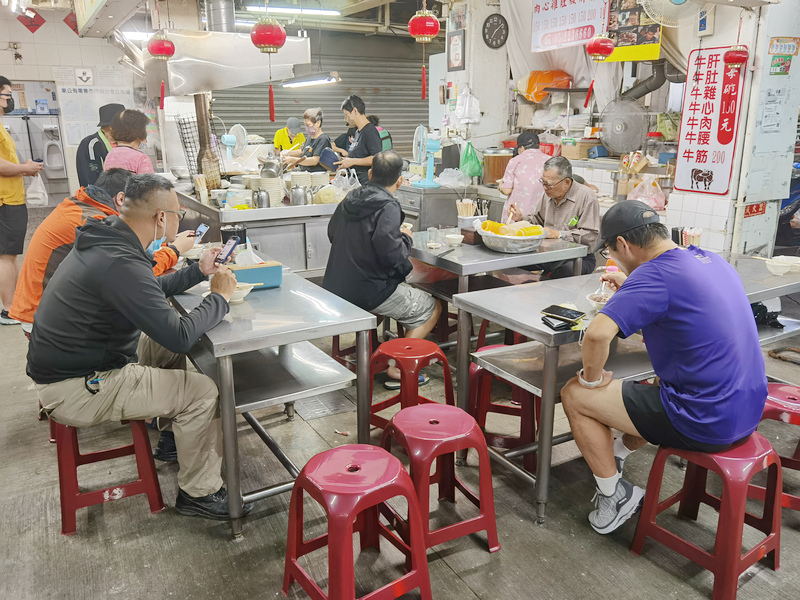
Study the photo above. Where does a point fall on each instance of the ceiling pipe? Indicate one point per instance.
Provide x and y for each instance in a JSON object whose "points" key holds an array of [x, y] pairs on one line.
{"points": [[221, 16], [662, 72], [134, 54]]}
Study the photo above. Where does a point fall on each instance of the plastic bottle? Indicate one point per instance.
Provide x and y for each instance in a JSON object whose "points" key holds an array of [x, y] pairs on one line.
{"points": [[609, 267]]}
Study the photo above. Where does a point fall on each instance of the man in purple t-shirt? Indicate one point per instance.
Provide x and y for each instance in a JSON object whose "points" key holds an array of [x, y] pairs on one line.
{"points": [[702, 341]]}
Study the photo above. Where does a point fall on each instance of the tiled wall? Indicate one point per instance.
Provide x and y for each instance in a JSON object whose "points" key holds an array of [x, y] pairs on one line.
{"points": [[598, 177], [54, 44], [712, 214]]}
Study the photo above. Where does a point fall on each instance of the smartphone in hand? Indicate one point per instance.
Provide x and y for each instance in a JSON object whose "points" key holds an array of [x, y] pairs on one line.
{"points": [[199, 233], [227, 250]]}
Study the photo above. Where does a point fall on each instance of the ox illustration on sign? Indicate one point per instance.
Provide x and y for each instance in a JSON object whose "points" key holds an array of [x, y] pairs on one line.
{"points": [[702, 177]]}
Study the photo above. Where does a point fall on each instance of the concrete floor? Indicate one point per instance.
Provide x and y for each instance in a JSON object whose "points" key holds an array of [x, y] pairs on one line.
{"points": [[121, 550]]}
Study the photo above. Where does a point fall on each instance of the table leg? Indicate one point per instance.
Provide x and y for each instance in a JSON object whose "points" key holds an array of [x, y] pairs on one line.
{"points": [[549, 381], [363, 399], [230, 442], [577, 266], [462, 360]]}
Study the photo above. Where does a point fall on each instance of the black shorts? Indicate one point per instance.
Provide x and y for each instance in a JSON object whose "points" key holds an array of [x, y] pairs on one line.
{"points": [[13, 225], [643, 403]]}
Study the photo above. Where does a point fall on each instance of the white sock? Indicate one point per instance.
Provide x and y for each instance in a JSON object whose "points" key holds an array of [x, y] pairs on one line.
{"points": [[620, 450], [607, 485]]}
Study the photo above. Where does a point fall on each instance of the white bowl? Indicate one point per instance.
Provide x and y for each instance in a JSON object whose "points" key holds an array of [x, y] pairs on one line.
{"points": [[794, 261], [596, 304], [454, 239], [242, 289], [777, 267]]}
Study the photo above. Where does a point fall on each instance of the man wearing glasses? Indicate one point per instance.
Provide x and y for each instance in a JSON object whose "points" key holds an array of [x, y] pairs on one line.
{"points": [[13, 212], [568, 211], [106, 345]]}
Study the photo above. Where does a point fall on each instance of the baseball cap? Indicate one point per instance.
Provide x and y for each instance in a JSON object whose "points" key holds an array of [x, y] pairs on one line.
{"points": [[621, 218], [108, 112], [293, 124]]}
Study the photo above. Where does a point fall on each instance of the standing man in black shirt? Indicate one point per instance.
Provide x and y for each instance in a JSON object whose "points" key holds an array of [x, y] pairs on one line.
{"points": [[367, 142], [94, 148]]}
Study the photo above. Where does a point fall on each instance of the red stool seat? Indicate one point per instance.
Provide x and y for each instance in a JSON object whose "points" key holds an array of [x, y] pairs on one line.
{"points": [[436, 431], [410, 355], [525, 405], [735, 466], [783, 404], [70, 458], [350, 482]]}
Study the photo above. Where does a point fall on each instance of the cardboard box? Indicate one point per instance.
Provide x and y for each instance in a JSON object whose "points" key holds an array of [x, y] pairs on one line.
{"points": [[579, 150]]}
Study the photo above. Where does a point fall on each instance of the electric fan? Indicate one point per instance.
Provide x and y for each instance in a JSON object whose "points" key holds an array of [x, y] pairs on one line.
{"points": [[422, 147], [673, 13], [623, 126], [235, 141]]}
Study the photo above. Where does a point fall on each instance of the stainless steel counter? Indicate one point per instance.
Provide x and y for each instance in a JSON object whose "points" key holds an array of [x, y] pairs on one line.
{"points": [[297, 236], [432, 207]]}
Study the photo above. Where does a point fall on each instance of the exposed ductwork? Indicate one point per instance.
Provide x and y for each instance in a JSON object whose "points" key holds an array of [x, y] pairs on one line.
{"points": [[663, 71], [134, 54], [220, 16]]}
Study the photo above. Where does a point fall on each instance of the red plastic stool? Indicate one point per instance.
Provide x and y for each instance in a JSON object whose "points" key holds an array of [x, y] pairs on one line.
{"points": [[41, 417], [783, 404], [410, 356], [70, 458], [735, 466], [350, 482], [527, 408], [431, 432]]}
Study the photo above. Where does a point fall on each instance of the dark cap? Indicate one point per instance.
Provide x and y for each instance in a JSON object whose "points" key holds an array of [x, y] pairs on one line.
{"points": [[108, 112], [621, 218]]}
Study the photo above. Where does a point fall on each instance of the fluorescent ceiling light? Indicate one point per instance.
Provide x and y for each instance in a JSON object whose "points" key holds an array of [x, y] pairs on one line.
{"points": [[137, 36], [318, 12], [313, 79]]}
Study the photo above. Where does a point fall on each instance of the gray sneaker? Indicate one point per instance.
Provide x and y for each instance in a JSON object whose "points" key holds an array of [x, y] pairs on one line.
{"points": [[612, 511]]}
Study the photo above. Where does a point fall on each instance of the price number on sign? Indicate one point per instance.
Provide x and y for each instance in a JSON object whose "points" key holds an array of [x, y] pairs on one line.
{"points": [[718, 156]]}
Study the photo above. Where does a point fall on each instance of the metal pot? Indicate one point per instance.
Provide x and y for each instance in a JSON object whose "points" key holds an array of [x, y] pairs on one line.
{"points": [[272, 167], [300, 196], [260, 199]]}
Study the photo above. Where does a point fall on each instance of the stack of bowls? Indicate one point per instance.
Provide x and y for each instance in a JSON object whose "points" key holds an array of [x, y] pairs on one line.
{"points": [[274, 187], [251, 182], [320, 178], [301, 178]]}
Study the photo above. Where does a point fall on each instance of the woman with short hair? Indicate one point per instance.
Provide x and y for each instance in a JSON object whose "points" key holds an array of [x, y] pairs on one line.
{"points": [[129, 130], [307, 158]]}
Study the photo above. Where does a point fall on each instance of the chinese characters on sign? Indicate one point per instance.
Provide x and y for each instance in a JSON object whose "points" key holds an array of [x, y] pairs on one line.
{"points": [[754, 210], [562, 23], [31, 23], [708, 124]]}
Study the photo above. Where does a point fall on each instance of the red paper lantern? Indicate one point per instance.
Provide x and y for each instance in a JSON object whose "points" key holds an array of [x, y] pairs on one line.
{"points": [[423, 26], [268, 35], [736, 57], [600, 47], [160, 46]]}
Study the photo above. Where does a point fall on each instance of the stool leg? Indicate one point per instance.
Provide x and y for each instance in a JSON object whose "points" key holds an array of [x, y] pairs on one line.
{"points": [[694, 486], [728, 545], [368, 529], [146, 465], [487, 498], [67, 451], [446, 477], [294, 538], [341, 580], [647, 518]]}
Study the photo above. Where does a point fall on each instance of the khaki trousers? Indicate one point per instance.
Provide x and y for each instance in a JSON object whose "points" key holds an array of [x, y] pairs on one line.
{"points": [[157, 386]]}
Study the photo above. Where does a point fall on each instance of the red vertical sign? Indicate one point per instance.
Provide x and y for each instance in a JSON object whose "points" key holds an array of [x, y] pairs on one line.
{"points": [[729, 106]]}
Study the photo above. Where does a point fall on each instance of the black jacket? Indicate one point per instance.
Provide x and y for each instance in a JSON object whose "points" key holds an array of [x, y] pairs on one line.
{"points": [[369, 255], [100, 299], [89, 160]]}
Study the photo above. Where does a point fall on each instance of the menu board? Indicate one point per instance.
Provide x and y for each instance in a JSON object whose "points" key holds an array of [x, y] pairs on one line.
{"points": [[562, 23], [636, 35], [709, 123]]}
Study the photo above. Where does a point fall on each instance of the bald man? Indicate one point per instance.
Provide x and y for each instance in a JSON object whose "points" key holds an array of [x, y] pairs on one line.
{"points": [[107, 346]]}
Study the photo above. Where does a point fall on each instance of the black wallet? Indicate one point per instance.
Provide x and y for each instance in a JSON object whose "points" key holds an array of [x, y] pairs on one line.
{"points": [[557, 324]]}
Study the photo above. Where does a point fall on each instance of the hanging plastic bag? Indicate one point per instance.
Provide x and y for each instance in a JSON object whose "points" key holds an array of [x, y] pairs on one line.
{"points": [[468, 108], [533, 86], [36, 194], [470, 164], [353, 180], [649, 192], [340, 181]]}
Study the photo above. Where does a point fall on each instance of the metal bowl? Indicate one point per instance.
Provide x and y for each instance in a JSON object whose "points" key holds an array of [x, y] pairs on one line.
{"points": [[180, 172], [511, 244]]}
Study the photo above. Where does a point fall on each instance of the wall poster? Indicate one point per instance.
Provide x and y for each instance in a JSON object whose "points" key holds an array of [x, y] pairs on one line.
{"points": [[709, 123], [563, 23], [637, 36]]}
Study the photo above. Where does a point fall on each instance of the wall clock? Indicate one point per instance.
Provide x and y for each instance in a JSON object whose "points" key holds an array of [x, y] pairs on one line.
{"points": [[495, 31]]}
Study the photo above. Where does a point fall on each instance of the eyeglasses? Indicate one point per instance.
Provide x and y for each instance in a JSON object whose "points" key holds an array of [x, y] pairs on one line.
{"points": [[549, 186], [605, 252], [181, 213]]}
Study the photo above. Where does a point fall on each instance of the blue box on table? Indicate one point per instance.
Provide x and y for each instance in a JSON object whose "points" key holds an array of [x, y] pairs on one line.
{"points": [[264, 276]]}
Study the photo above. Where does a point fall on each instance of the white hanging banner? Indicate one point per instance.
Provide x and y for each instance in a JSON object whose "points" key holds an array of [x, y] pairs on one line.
{"points": [[563, 23], [709, 123]]}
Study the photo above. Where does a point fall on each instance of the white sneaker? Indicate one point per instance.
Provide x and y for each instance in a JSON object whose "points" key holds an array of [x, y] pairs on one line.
{"points": [[6, 320], [612, 511]]}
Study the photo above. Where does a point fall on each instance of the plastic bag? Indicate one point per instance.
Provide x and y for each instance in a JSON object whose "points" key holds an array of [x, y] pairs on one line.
{"points": [[468, 108], [341, 181], [470, 165], [353, 180], [454, 178], [649, 192], [329, 194], [668, 124], [533, 86], [36, 194]]}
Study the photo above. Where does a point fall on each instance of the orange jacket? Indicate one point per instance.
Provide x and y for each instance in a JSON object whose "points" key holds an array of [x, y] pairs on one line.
{"points": [[50, 244]]}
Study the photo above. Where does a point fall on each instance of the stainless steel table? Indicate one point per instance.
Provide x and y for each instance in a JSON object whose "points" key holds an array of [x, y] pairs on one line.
{"points": [[518, 308], [466, 260], [267, 339]]}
